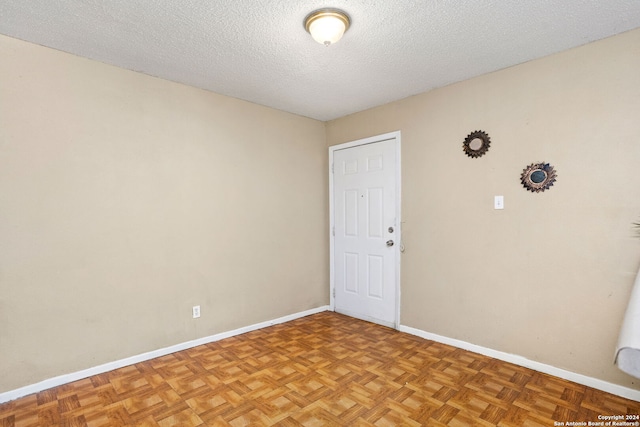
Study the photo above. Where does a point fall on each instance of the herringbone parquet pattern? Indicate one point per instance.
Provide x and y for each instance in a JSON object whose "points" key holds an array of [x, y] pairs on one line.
{"points": [[322, 370]]}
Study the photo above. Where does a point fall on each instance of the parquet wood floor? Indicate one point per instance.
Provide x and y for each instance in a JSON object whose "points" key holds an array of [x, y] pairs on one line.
{"points": [[322, 370]]}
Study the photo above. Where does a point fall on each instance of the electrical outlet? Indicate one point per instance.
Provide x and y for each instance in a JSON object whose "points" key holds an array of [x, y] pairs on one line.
{"points": [[196, 311]]}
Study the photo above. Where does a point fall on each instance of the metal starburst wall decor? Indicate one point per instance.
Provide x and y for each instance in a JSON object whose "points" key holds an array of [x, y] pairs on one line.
{"points": [[476, 144], [538, 177]]}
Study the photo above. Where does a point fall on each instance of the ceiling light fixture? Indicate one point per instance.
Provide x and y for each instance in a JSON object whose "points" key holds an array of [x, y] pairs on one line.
{"points": [[327, 26]]}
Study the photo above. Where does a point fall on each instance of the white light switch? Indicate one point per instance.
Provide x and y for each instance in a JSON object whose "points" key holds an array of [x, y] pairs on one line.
{"points": [[498, 202]]}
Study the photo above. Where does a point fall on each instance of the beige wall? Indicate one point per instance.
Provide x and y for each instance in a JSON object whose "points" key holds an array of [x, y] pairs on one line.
{"points": [[548, 277], [126, 199]]}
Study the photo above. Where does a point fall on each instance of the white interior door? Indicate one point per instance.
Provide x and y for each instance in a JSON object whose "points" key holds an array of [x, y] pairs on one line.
{"points": [[366, 231]]}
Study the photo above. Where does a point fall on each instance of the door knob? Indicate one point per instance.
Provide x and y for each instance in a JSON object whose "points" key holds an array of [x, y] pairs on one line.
{"points": [[389, 243]]}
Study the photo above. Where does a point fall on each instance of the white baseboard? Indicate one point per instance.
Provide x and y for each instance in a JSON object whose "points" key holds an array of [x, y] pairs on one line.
{"points": [[616, 389], [75, 376]]}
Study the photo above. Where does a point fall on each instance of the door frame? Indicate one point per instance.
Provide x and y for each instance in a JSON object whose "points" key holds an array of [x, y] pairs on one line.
{"points": [[397, 248]]}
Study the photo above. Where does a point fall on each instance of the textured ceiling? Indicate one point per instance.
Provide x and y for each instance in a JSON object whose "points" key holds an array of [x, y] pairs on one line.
{"points": [[258, 50]]}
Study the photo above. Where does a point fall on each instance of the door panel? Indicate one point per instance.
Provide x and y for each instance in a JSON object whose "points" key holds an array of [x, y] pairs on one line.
{"points": [[364, 192], [375, 279], [351, 273], [375, 211]]}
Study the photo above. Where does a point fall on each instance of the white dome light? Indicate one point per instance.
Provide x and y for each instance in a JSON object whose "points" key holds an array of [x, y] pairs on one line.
{"points": [[327, 26]]}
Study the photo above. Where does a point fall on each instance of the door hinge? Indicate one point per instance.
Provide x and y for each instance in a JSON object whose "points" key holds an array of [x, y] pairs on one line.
{"points": [[331, 167], [333, 231], [334, 292]]}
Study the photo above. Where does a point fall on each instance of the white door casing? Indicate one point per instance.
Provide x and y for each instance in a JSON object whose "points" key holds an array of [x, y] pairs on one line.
{"points": [[365, 228]]}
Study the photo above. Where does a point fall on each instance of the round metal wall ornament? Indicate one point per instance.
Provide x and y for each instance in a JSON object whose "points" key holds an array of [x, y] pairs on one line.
{"points": [[476, 144], [538, 177]]}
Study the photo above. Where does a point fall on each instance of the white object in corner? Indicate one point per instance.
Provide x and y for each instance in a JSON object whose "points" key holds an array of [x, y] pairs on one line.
{"points": [[628, 349], [523, 361], [75, 376]]}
